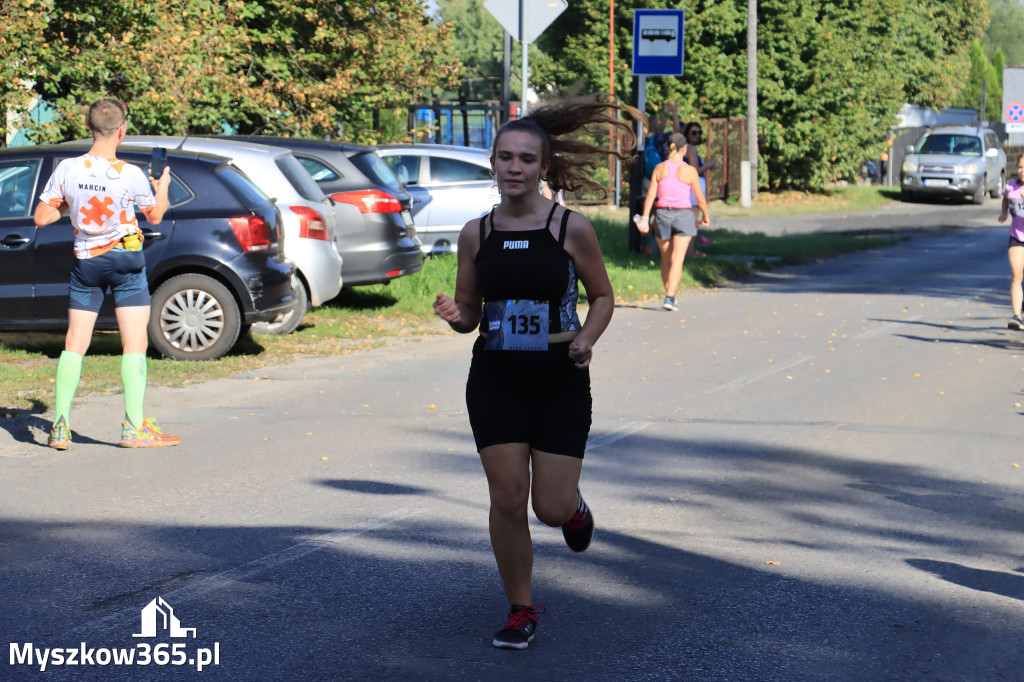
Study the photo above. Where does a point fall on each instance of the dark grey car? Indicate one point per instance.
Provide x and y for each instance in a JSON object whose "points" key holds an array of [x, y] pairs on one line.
{"points": [[384, 245]]}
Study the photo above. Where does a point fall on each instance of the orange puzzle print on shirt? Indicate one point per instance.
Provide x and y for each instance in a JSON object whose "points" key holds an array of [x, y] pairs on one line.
{"points": [[97, 212]]}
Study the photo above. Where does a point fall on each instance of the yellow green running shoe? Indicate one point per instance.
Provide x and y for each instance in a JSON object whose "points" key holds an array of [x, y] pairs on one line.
{"points": [[149, 436], [60, 437]]}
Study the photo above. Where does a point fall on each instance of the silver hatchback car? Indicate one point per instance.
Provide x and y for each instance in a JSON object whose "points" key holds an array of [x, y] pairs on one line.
{"points": [[450, 186], [310, 219], [954, 161]]}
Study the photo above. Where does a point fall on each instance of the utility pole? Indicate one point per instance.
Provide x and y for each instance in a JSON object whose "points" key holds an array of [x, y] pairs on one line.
{"points": [[752, 93]]}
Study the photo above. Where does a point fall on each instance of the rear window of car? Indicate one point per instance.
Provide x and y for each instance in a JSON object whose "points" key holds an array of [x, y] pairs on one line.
{"points": [[405, 168], [17, 183], [964, 145], [321, 172], [242, 187], [373, 167], [453, 170], [299, 177], [177, 192]]}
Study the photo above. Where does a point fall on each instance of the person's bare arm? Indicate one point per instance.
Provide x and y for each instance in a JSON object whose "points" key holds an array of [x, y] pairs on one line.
{"points": [[689, 176], [581, 243], [652, 194], [155, 213], [47, 215], [463, 312]]}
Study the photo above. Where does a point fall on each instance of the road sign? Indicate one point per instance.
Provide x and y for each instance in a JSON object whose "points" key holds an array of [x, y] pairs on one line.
{"points": [[539, 15], [1015, 112], [658, 42]]}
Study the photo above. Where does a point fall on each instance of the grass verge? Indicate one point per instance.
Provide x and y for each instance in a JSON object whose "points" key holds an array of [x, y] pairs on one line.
{"points": [[366, 317]]}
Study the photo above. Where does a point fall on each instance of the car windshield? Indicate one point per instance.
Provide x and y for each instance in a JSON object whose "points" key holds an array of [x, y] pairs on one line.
{"points": [[962, 145]]}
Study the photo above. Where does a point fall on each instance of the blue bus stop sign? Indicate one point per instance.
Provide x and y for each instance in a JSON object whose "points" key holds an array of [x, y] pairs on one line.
{"points": [[658, 42]]}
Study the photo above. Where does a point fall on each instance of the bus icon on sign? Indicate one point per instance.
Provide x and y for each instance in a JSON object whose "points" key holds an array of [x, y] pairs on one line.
{"points": [[652, 34]]}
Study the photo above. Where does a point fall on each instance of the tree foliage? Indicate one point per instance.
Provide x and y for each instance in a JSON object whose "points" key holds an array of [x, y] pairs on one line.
{"points": [[304, 67], [983, 71], [1004, 31]]}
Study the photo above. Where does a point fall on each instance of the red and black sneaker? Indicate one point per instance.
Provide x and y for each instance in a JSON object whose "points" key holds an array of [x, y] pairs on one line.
{"points": [[520, 628], [579, 530]]}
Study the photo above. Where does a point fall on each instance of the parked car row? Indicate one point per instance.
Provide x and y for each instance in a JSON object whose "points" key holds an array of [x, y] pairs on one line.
{"points": [[216, 262], [249, 240]]}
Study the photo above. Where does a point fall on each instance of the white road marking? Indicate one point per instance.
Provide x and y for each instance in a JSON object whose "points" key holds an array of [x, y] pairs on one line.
{"points": [[756, 376]]}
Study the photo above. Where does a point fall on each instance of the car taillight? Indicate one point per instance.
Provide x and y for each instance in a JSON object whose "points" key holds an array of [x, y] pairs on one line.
{"points": [[370, 201], [311, 223], [251, 232]]}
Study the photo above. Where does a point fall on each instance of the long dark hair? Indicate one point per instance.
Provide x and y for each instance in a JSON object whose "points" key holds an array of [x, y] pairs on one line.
{"points": [[573, 159]]}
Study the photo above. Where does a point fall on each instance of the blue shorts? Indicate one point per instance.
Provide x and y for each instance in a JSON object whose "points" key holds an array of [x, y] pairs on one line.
{"points": [[121, 272]]}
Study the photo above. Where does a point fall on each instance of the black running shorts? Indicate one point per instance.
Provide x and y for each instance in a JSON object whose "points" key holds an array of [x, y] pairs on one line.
{"points": [[536, 397]]}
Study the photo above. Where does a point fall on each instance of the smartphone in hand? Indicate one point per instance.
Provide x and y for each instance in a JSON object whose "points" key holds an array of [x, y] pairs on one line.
{"points": [[158, 162]]}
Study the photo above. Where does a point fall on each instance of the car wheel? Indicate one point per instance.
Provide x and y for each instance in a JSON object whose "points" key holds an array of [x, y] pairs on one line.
{"points": [[287, 322], [194, 317], [997, 191], [979, 196]]}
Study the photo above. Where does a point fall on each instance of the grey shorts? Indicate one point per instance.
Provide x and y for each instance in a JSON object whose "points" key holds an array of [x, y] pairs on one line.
{"points": [[671, 222]]}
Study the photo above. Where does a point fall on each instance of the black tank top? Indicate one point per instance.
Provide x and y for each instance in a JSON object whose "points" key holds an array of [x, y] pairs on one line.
{"points": [[530, 265]]}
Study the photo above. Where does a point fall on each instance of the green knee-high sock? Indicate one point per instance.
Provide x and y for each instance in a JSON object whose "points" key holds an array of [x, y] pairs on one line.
{"points": [[133, 379], [69, 371]]}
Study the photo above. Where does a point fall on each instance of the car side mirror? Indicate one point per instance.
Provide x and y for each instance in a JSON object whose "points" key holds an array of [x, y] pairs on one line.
{"points": [[992, 151], [910, 149]]}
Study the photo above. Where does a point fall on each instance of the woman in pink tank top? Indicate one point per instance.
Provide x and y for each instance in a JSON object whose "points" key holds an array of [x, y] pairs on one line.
{"points": [[674, 222]]}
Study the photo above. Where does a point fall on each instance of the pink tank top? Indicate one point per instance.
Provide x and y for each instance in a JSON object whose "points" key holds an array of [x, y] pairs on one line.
{"points": [[673, 192]]}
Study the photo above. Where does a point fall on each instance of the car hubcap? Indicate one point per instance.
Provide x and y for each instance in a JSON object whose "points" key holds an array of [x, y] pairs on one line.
{"points": [[192, 320]]}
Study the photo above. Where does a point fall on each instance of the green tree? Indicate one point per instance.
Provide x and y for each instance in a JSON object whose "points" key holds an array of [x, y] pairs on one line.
{"points": [[981, 71], [304, 67], [995, 93], [832, 74], [1005, 30], [481, 50]]}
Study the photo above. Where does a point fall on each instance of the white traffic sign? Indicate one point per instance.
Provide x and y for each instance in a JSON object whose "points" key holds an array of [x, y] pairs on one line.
{"points": [[658, 42], [539, 15]]}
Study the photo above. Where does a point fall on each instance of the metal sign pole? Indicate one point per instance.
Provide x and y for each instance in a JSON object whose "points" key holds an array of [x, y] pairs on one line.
{"points": [[523, 4]]}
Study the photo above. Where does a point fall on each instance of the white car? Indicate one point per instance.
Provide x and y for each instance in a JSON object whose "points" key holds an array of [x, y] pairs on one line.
{"points": [[309, 217], [450, 186]]}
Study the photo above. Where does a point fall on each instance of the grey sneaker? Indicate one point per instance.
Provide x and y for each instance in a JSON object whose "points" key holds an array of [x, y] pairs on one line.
{"points": [[670, 303], [1016, 323]]}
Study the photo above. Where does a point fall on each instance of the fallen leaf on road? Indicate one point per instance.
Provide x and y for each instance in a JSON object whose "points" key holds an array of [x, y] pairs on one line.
{"points": [[773, 563]]}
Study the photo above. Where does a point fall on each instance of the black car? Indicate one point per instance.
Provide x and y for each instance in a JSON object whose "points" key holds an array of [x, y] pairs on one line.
{"points": [[215, 263], [385, 245]]}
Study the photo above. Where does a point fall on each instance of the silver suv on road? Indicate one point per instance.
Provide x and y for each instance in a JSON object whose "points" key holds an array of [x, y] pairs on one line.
{"points": [[954, 161]]}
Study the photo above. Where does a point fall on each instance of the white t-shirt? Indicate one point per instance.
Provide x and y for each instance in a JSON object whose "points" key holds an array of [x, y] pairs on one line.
{"points": [[101, 195]]}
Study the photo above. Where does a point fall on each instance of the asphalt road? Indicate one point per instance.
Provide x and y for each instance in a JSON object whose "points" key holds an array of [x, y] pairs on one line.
{"points": [[815, 475]]}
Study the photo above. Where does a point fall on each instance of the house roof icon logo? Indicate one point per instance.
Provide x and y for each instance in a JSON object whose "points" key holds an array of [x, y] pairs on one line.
{"points": [[158, 614]]}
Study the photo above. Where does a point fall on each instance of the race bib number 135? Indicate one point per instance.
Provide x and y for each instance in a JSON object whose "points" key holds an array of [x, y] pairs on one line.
{"points": [[516, 325]]}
